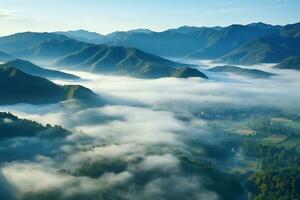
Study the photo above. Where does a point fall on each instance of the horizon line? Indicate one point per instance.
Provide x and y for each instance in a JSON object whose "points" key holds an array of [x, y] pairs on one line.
{"points": [[152, 30]]}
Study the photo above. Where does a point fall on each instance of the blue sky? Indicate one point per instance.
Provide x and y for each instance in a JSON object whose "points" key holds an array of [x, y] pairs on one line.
{"points": [[105, 16]]}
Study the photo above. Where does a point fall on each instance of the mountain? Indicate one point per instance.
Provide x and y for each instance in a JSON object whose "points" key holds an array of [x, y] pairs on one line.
{"points": [[52, 49], [291, 30], [34, 70], [82, 35], [254, 73], [5, 57], [194, 42], [187, 72], [19, 87], [96, 58], [26, 40], [197, 42], [170, 43], [267, 49], [122, 61], [230, 38], [289, 63]]}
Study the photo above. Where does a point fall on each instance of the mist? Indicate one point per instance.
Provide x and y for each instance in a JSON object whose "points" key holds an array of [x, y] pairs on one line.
{"points": [[141, 135]]}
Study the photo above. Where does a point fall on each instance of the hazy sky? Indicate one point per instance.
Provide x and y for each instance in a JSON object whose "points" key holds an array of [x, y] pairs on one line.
{"points": [[106, 16]]}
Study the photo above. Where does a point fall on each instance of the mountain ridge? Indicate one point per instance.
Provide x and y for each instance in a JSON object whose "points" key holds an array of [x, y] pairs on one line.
{"points": [[121, 61], [35, 70]]}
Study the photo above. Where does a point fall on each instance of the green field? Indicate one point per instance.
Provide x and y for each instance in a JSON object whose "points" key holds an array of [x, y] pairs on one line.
{"points": [[273, 139]]}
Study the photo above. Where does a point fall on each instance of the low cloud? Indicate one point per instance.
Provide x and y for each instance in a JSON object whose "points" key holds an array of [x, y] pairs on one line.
{"points": [[146, 127]]}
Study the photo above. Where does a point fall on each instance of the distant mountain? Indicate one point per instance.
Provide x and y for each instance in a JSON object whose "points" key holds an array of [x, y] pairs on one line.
{"points": [[185, 41], [121, 61], [255, 73], [32, 69], [5, 57], [230, 38], [290, 30], [169, 43], [26, 40], [267, 49], [289, 63], [19, 87], [82, 35], [195, 42], [52, 49]]}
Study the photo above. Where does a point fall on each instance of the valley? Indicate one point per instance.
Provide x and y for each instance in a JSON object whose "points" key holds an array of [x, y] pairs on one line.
{"points": [[149, 100]]}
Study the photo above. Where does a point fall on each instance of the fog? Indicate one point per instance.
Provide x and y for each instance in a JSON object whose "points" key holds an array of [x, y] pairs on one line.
{"points": [[145, 125]]}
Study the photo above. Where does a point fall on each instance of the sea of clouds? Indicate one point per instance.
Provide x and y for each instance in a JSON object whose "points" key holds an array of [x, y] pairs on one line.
{"points": [[142, 125]]}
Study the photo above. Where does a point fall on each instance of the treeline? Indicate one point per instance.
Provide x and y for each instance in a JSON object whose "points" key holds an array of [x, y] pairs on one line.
{"points": [[226, 185], [12, 126], [278, 184], [272, 157], [278, 177]]}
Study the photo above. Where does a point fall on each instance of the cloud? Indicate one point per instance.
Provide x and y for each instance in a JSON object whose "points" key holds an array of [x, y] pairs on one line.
{"points": [[165, 162], [146, 127]]}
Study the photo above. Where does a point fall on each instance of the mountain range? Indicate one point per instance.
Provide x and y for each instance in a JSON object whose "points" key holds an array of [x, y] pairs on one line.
{"points": [[19, 87], [125, 61], [210, 42], [138, 52], [78, 55], [267, 49]]}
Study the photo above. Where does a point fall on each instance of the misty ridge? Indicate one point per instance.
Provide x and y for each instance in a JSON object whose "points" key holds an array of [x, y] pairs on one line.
{"points": [[188, 113]]}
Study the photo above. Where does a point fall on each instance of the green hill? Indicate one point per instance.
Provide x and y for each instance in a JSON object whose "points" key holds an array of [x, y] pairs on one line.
{"points": [[122, 61], [19, 87], [289, 63], [12, 126], [187, 72], [255, 73], [32, 69]]}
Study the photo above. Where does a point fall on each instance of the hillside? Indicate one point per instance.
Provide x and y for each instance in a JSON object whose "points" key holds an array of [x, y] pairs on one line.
{"points": [[267, 49], [32, 69], [19, 87], [255, 73], [12, 126], [121, 61], [289, 63]]}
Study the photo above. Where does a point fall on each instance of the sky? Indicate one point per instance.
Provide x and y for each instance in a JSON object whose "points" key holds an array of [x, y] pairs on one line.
{"points": [[105, 16]]}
